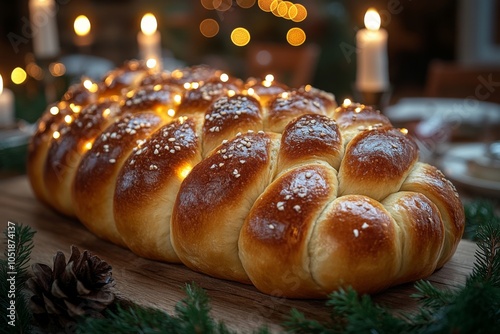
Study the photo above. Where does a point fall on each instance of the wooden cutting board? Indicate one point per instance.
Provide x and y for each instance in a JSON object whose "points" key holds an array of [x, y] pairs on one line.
{"points": [[159, 285]]}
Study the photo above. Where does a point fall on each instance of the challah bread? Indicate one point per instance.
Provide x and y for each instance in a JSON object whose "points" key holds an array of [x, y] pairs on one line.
{"points": [[250, 181]]}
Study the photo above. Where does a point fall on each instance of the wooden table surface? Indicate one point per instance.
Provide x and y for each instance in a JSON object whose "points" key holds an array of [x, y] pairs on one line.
{"points": [[160, 285]]}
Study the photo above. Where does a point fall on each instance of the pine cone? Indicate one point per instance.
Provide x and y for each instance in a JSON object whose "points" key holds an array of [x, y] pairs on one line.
{"points": [[80, 288]]}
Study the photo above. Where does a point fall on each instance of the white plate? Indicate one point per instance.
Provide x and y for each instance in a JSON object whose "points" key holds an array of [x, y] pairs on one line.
{"points": [[454, 166], [461, 111]]}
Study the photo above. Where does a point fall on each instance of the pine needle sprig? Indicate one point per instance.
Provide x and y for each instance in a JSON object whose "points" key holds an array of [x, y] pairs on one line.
{"points": [[487, 265], [18, 246], [194, 312], [432, 297], [362, 315], [128, 320], [296, 322], [192, 315]]}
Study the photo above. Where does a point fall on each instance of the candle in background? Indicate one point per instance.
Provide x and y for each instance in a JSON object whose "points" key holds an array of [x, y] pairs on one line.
{"points": [[149, 41], [372, 68], [44, 27], [82, 28], [7, 117]]}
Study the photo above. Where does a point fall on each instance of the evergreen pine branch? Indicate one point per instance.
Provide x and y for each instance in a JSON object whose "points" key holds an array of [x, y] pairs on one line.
{"points": [[18, 246], [474, 310], [362, 315], [432, 297], [296, 322], [133, 319], [194, 311], [192, 315], [487, 265]]}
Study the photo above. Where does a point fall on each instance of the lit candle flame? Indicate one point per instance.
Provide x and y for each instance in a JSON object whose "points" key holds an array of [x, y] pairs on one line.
{"points": [[82, 25], [148, 24], [1, 84], [372, 20], [346, 103]]}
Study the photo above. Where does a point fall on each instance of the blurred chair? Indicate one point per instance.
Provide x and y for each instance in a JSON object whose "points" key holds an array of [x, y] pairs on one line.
{"points": [[455, 80], [292, 65]]}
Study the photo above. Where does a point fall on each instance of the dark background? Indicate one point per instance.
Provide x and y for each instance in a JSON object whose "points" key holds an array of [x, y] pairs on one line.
{"points": [[419, 32]]}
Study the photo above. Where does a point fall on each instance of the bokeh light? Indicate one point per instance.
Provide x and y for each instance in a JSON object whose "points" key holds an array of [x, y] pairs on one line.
{"points": [[222, 5], [245, 3], [18, 76], [240, 36], [34, 71], [301, 13], [296, 36], [209, 27], [57, 69], [281, 9], [265, 5], [208, 4]]}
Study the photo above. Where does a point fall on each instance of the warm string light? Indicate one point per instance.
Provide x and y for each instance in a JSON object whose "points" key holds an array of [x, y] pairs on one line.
{"points": [[18, 76], [241, 36], [346, 103]]}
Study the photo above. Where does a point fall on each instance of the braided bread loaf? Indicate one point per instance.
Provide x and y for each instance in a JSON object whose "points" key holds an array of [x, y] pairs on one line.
{"points": [[247, 181]]}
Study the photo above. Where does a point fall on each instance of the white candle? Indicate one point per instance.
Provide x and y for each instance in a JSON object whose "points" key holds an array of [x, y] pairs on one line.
{"points": [[149, 40], [7, 117], [372, 68], [44, 26]]}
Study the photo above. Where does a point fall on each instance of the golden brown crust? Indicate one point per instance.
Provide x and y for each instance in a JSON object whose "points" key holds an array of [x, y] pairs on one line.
{"points": [[376, 163], [279, 228], [228, 116], [159, 98], [429, 181], [311, 138], [293, 103], [121, 79], [77, 135], [95, 180], [421, 233], [155, 171], [197, 100], [199, 74], [355, 117], [187, 166], [355, 243], [264, 90], [214, 200]]}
